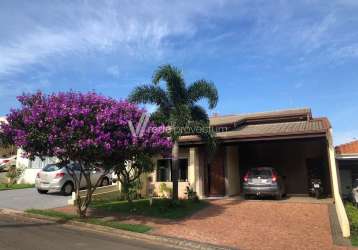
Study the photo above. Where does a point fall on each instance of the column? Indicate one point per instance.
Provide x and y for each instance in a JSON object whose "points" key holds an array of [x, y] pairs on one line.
{"points": [[232, 176], [195, 172]]}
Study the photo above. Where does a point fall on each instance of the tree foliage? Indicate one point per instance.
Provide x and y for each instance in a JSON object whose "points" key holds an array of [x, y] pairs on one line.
{"points": [[89, 129]]}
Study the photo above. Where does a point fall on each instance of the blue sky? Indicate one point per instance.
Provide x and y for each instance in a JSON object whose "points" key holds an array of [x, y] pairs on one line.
{"points": [[262, 55]]}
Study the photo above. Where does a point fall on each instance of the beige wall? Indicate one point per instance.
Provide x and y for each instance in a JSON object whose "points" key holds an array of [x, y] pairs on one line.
{"points": [[183, 153]]}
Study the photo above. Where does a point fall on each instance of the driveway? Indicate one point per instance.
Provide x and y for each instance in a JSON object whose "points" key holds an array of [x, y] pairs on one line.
{"points": [[23, 199], [257, 225]]}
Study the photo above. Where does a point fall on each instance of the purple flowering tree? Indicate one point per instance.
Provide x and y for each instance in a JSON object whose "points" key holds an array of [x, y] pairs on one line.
{"points": [[88, 129]]}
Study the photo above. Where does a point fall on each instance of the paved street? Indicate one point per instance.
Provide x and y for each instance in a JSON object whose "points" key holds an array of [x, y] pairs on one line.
{"points": [[22, 234], [23, 199]]}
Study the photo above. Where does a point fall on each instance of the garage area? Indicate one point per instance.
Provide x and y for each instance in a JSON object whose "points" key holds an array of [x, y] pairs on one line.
{"points": [[296, 160]]}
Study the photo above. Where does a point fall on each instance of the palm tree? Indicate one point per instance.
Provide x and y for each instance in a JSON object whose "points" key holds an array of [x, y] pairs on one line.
{"points": [[177, 107]]}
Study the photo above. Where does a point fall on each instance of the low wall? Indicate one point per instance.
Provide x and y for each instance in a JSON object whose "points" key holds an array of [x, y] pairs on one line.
{"points": [[341, 212], [106, 192]]}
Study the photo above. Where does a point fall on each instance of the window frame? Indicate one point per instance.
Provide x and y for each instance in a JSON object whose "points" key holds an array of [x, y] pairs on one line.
{"points": [[170, 170]]}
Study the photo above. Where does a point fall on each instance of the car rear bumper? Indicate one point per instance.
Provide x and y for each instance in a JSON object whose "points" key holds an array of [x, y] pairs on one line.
{"points": [[55, 187], [265, 190]]}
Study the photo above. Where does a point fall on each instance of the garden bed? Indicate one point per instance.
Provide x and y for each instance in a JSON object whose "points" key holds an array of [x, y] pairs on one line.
{"points": [[352, 213], [160, 208]]}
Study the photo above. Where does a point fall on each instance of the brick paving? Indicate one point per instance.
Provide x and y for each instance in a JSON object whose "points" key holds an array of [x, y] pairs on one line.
{"points": [[258, 225], [252, 225]]}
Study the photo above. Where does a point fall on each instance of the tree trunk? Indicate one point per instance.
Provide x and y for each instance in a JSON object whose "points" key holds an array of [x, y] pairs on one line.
{"points": [[175, 169]]}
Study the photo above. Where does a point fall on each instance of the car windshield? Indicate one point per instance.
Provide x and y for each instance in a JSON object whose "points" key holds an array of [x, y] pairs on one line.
{"points": [[52, 167], [260, 172]]}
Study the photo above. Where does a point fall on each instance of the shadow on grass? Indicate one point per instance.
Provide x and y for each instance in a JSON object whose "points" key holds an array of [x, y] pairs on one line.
{"points": [[162, 211], [62, 218]]}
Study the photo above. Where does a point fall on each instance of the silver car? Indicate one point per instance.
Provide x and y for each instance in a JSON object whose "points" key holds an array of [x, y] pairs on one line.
{"points": [[54, 177], [263, 181]]}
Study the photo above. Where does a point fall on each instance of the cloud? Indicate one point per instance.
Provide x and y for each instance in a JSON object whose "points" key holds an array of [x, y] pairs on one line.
{"points": [[315, 31], [135, 29], [113, 70]]}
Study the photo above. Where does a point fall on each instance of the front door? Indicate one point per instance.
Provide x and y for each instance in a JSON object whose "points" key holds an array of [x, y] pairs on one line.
{"points": [[217, 174]]}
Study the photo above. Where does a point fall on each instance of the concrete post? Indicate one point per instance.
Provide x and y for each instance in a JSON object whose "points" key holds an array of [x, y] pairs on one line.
{"points": [[232, 176], [195, 172], [341, 212]]}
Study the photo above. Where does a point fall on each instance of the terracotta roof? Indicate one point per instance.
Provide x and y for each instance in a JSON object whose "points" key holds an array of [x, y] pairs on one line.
{"points": [[347, 148], [313, 126], [229, 119]]}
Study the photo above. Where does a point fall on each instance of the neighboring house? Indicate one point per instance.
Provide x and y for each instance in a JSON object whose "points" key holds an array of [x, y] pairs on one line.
{"points": [[31, 168], [6, 151], [347, 159], [292, 141]]}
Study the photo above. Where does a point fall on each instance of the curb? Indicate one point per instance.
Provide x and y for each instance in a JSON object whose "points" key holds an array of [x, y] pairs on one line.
{"points": [[168, 241]]}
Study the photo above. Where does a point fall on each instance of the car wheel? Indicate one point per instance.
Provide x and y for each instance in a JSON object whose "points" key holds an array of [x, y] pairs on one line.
{"points": [[278, 196], [105, 182], [40, 191], [67, 189]]}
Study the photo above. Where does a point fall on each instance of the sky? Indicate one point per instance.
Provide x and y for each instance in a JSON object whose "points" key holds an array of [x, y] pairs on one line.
{"points": [[261, 55]]}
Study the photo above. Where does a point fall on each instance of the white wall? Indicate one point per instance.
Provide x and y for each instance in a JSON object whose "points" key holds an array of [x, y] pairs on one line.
{"points": [[31, 168]]}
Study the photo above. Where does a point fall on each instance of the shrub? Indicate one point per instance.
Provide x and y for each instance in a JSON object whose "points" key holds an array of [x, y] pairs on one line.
{"points": [[191, 194], [13, 174]]}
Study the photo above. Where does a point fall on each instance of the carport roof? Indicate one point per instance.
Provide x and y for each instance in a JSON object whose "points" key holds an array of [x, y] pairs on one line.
{"points": [[289, 123]]}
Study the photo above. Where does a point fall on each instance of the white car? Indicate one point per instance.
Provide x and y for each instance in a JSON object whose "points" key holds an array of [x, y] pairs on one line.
{"points": [[54, 177], [7, 162]]}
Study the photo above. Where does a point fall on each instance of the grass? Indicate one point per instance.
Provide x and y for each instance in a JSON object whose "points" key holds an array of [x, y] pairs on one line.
{"points": [[138, 228], [15, 186], [161, 208], [352, 213]]}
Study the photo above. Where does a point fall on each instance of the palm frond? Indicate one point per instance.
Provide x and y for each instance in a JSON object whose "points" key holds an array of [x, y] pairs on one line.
{"points": [[149, 94], [203, 89], [160, 116], [175, 83], [198, 113]]}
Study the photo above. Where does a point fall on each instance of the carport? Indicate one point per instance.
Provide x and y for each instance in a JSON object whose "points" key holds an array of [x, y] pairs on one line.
{"points": [[296, 160]]}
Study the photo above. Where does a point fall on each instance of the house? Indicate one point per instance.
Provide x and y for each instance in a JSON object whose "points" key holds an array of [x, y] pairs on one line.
{"points": [[347, 159], [7, 151], [293, 141]]}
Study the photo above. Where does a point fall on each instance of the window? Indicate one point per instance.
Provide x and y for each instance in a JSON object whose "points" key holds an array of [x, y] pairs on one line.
{"points": [[164, 169], [183, 169], [52, 168]]}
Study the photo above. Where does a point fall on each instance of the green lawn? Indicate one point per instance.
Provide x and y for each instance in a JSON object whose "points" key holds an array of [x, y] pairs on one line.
{"points": [[352, 213], [139, 228], [15, 186], [161, 208]]}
